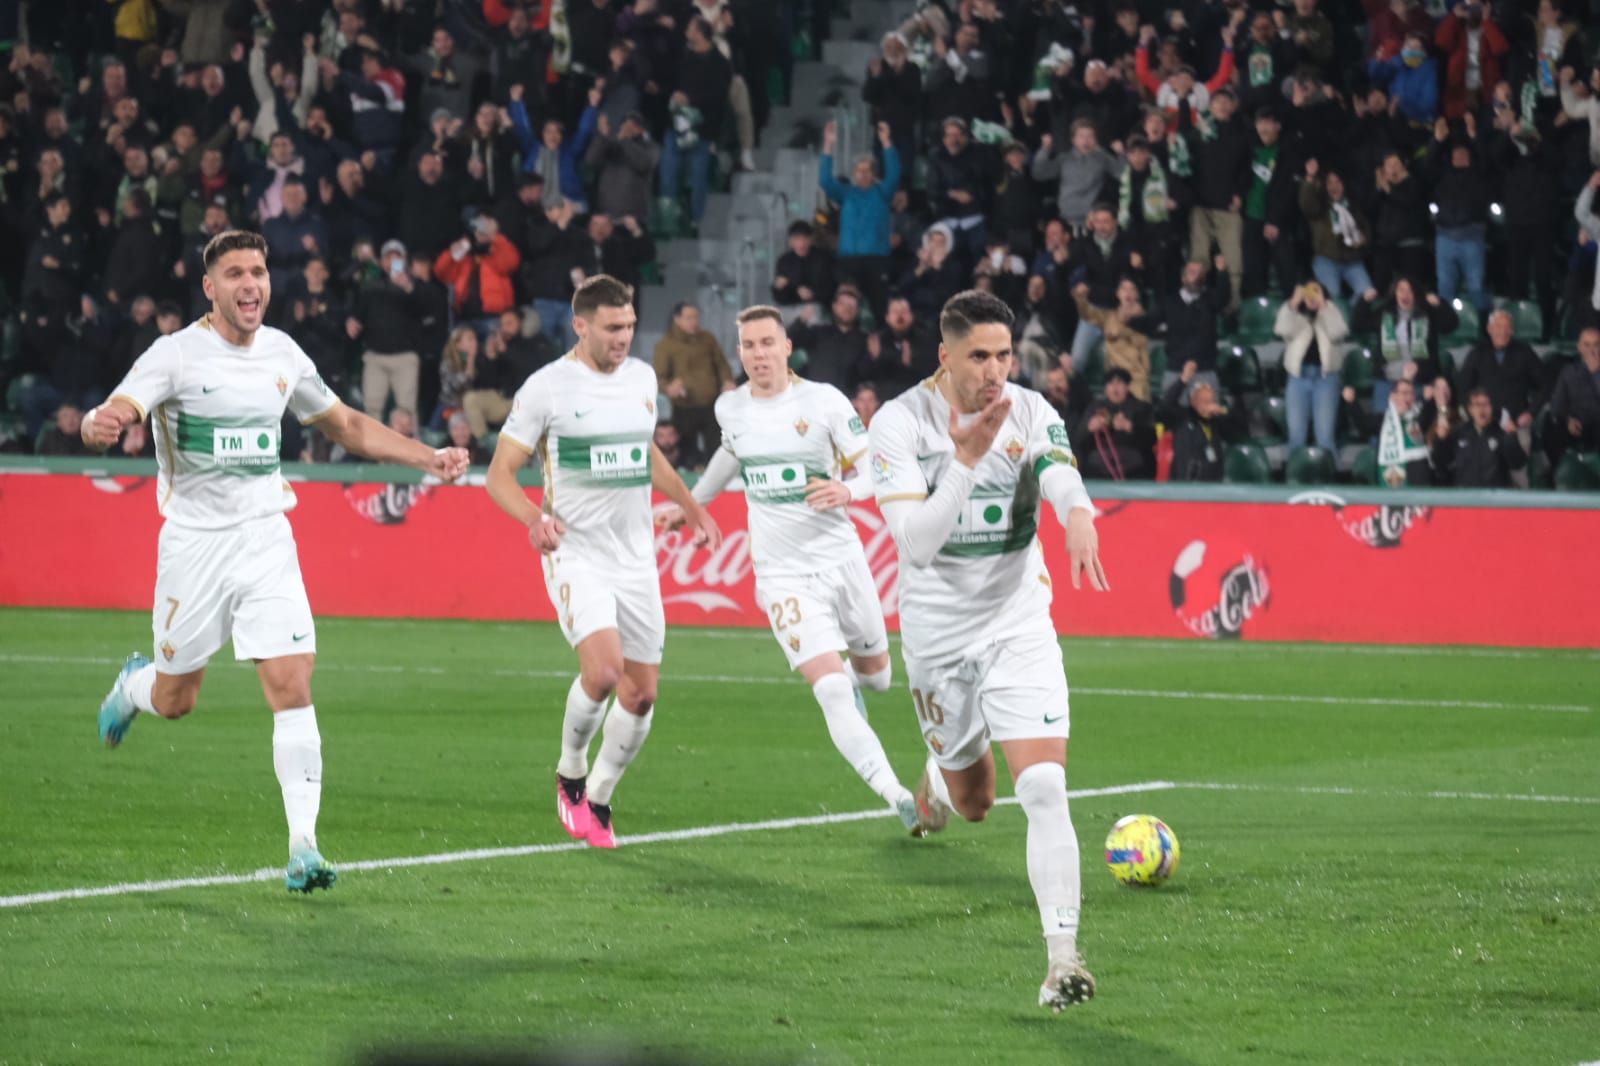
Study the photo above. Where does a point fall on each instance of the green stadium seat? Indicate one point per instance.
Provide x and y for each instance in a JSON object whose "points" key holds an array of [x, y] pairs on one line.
{"points": [[1361, 368], [1311, 466], [1274, 378], [1238, 369], [1526, 318], [1578, 472], [1246, 464], [1256, 316], [1269, 420], [1540, 476], [1158, 364], [1468, 329], [1365, 467], [18, 386]]}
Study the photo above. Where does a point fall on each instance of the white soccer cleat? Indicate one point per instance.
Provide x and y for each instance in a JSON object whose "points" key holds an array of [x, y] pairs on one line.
{"points": [[1068, 982], [932, 812]]}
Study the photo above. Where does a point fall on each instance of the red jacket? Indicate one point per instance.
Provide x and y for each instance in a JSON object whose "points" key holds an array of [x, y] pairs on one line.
{"points": [[495, 270], [1451, 39]]}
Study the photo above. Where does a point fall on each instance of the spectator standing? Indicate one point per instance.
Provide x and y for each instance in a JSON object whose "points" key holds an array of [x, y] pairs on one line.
{"points": [[693, 371], [1126, 329], [804, 274], [625, 165], [1101, 261], [864, 215], [1411, 78], [457, 365], [1473, 48], [479, 267], [1340, 235], [1404, 454], [1401, 227], [388, 322], [698, 105], [1313, 332], [1191, 319], [552, 155], [1147, 206], [1461, 235], [1510, 372], [960, 182], [893, 90], [1408, 328], [1269, 208], [1201, 427], [835, 350], [1219, 152], [1080, 174]]}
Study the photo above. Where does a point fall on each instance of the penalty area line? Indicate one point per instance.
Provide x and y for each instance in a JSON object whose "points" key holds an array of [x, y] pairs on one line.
{"points": [[668, 836]]}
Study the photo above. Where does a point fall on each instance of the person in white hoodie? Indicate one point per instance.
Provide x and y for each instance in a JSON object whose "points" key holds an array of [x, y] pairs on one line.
{"points": [[1313, 331]]}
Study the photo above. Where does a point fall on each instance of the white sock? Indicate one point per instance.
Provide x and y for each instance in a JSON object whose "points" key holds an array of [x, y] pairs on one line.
{"points": [[1053, 866], [578, 728], [141, 686], [624, 736], [854, 737], [936, 782], [297, 756]]}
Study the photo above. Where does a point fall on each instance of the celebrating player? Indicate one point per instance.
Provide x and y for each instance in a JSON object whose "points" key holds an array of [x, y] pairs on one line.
{"points": [[792, 440], [216, 393], [960, 463], [591, 417]]}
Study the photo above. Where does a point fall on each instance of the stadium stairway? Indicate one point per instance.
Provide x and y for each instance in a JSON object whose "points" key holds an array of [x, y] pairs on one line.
{"points": [[729, 264]]}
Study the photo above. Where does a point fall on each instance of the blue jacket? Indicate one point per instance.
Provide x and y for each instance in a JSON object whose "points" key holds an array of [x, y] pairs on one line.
{"points": [[572, 149], [1416, 87], [865, 218]]}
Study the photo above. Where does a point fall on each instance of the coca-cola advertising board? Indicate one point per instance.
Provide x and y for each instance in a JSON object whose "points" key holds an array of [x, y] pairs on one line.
{"points": [[1315, 569]]}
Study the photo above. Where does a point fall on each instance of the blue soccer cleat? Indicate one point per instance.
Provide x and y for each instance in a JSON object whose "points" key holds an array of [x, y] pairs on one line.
{"points": [[117, 711], [309, 871]]}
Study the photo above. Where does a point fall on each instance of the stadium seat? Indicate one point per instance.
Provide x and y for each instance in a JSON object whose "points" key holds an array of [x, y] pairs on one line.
{"points": [[1256, 316], [1579, 472], [1364, 470], [1311, 466], [15, 390], [1269, 419], [1361, 369], [1274, 378], [1526, 318], [1246, 464], [1238, 369], [1468, 329], [1158, 364], [1540, 475]]}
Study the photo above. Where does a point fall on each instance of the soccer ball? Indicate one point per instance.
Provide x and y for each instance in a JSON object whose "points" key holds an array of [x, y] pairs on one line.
{"points": [[1141, 850]]}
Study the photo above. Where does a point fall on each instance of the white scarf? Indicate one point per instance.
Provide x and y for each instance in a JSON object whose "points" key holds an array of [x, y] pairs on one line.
{"points": [[1344, 224]]}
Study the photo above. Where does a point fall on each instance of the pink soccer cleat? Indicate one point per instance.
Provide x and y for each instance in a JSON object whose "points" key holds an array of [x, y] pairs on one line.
{"points": [[572, 807], [600, 832]]}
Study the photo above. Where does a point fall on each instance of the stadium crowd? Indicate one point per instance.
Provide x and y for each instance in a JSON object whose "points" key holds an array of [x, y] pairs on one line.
{"points": [[1237, 234]]}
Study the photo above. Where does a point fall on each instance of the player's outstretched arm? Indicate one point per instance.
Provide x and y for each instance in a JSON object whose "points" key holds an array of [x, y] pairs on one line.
{"points": [[371, 439], [666, 481], [1063, 486], [103, 425]]}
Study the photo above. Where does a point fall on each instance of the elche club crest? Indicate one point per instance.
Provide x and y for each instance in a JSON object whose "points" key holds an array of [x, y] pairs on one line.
{"points": [[1217, 588], [1376, 526]]}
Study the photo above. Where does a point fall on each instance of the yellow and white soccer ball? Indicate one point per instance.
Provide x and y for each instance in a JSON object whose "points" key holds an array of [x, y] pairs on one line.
{"points": [[1142, 851]]}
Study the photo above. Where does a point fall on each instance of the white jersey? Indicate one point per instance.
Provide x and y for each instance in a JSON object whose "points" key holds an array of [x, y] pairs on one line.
{"points": [[217, 414], [988, 582], [592, 433], [781, 442]]}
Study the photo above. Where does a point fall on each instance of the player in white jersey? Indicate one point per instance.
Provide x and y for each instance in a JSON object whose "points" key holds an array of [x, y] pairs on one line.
{"points": [[791, 441], [215, 394], [961, 463], [591, 417]]}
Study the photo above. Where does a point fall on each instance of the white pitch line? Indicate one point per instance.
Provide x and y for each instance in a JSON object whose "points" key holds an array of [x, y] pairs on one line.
{"points": [[1380, 793], [745, 679], [480, 854]]}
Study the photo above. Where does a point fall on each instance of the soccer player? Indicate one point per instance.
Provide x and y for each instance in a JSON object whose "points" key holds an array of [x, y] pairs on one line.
{"points": [[961, 462], [216, 392], [591, 417], [791, 440]]}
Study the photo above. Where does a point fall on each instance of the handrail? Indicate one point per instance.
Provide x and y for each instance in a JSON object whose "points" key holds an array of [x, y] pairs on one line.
{"points": [[1102, 491]]}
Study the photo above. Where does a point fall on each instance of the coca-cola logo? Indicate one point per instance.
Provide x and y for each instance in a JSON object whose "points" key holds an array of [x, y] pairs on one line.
{"points": [[716, 581], [1216, 589], [1382, 526], [386, 505]]}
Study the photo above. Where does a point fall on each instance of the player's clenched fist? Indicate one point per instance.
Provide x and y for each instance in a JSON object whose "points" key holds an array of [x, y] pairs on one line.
{"points": [[449, 463], [103, 426], [545, 533]]}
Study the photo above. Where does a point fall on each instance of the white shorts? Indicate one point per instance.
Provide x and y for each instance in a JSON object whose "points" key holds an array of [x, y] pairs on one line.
{"points": [[1015, 690], [243, 583], [590, 597], [831, 611]]}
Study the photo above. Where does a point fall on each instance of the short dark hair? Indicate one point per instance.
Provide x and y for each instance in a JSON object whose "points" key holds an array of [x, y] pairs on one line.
{"points": [[802, 228], [1479, 391], [1119, 373], [168, 307], [758, 312], [972, 308], [232, 240], [602, 290]]}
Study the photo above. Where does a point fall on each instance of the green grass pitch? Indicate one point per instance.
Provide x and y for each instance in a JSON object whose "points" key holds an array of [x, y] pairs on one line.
{"points": [[1402, 869]]}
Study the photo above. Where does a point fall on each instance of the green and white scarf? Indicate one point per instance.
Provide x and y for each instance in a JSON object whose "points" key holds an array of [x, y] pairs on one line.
{"points": [[1399, 442], [560, 38], [1389, 338], [686, 121], [1530, 100], [1153, 199], [1259, 65], [1178, 149]]}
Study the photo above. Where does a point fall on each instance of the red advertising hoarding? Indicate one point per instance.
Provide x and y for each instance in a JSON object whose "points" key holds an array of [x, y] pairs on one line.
{"points": [[1206, 570]]}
